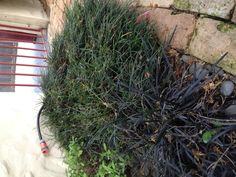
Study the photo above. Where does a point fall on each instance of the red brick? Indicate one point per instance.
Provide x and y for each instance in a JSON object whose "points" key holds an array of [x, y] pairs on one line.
{"points": [[165, 22]]}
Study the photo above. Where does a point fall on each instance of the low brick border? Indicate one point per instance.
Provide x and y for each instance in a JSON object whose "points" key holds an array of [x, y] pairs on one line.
{"points": [[205, 29]]}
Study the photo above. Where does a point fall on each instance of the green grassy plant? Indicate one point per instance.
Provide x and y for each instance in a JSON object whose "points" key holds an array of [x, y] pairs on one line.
{"points": [[100, 45]]}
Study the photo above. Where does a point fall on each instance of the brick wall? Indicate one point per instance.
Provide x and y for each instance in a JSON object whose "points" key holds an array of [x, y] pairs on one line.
{"points": [[56, 11]]}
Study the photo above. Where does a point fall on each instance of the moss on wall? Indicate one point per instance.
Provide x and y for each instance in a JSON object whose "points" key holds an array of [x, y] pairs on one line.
{"points": [[225, 27], [228, 64], [182, 4]]}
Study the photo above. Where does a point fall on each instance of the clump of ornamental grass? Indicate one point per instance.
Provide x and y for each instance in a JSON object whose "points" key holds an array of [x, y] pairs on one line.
{"points": [[101, 44], [109, 82]]}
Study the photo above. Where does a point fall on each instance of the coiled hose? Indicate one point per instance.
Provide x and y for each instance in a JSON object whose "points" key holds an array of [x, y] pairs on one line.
{"points": [[43, 144]]}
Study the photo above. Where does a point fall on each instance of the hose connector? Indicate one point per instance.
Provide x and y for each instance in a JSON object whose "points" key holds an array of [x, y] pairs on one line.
{"points": [[44, 147]]}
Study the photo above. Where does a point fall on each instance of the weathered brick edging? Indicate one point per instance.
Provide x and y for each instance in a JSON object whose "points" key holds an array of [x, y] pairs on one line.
{"points": [[206, 35], [217, 8], [212, 38]]}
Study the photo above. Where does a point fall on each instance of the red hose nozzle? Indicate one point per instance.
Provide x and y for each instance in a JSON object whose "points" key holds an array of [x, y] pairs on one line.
{"points": [[44, 147]]}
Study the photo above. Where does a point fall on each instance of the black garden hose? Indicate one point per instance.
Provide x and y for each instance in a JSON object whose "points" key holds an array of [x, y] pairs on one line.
{"points": [[38, 123], [43, 144]]}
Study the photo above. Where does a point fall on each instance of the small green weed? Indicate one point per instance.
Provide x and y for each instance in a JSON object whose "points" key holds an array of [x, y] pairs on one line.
{"points": [[75, 163], [208, 135], [110, 163]]}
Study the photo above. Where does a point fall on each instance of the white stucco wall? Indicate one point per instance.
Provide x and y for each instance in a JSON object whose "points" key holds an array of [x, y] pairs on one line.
{"points": [[28, 12]]}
